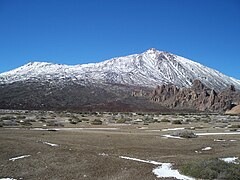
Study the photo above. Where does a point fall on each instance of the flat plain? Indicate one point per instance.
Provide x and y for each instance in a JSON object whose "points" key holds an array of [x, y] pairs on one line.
{"points": [[64, 145]]}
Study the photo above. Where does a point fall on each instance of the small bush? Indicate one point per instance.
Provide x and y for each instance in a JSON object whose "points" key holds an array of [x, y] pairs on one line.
{"points": [[21, 117], [184, 134], [54, 123], [96, 122], [176, 122], [165, 120], [121, 121]]}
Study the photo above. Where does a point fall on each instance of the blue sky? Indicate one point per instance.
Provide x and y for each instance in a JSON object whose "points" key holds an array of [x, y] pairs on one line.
{"points": [[82, 31]]}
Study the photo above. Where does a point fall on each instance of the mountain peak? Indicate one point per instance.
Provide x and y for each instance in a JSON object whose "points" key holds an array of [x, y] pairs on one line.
{"points": [[152, 51]]}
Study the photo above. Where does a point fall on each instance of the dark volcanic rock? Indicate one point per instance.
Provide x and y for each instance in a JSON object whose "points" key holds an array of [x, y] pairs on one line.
{"points": [[197, 97]]}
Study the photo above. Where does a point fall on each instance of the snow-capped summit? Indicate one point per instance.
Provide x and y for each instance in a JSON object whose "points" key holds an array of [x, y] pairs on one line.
{"points": [[149, 68]]}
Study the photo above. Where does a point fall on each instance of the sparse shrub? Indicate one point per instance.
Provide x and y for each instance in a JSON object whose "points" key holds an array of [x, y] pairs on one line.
{"points": [[85, 119], [185, 134], [211, 169], [26, 123], [8, 118], [21, 117], [74, 120], [54, 123], [176, 122], [121, 120], [234, 126], [165, 120], [96, 122]]}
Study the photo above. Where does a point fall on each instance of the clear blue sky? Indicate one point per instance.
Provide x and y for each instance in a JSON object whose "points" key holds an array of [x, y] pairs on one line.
{"points": [[81, 31]]}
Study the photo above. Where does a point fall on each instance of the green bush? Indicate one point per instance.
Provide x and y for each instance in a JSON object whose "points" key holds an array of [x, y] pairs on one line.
{"points": [[21, 117], [176, 122], [121, 120], [211, 169], [96, 122], [165, 120]]}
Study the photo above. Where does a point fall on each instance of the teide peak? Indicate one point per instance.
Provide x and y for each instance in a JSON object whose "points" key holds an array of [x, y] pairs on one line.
{"points": [[104, 83]]}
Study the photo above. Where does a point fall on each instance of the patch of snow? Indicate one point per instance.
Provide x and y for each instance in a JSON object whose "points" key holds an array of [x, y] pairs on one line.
{"points": [[173, 129], [219, 140], [198, 152], [50, 144], [143, 128], [140, 160], [163, 171], [7, 179], [232, 140], [166, 171], [170, 136], [154, 130], [75, 129], [19, 157], [103, 154], [206, 149], [220, 133], [230, 160]]}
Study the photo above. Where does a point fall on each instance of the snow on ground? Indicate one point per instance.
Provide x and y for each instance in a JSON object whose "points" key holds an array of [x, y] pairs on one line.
{"points": [[173, 129], [163, 171], [154, 130], [206, 149], [170, 136], [219, 140], [103, 154], [19, 157], [230, 160], [50, 144], [7, 179], [220, 133], [74, 129]]}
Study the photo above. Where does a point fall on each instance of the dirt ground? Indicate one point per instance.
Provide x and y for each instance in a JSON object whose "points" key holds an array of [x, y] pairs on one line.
{"points": [[94, 153]]}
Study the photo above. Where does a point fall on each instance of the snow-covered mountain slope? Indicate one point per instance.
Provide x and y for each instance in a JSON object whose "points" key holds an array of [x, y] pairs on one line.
{"points": [[150, 68]]}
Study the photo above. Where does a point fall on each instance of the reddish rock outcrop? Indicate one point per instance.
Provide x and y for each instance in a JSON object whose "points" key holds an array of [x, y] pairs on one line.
{"points": [[197, 97]]}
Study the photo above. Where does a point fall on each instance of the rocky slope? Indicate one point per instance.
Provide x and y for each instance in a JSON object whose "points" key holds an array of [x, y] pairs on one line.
{"points": [[199, 97]]}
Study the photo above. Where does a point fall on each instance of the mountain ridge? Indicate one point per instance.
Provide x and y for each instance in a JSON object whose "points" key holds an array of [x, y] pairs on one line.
{"points": [[149, 69]]}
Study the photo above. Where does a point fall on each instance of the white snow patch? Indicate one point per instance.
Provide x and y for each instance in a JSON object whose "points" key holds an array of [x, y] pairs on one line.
{"points": [[173, 129], [50, 144], [220, 133], [7, 179], [143, 128], [170, 136], [75, 129], [19, 157], [198, 152], [154, 130], [103, 154], [219, 140], [230, 160], [232, 140], [206, 149], [163, 171]]}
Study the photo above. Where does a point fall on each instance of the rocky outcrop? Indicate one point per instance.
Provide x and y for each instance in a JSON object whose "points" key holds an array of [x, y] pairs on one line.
{"points": [[234, 110], [198, 97]]}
